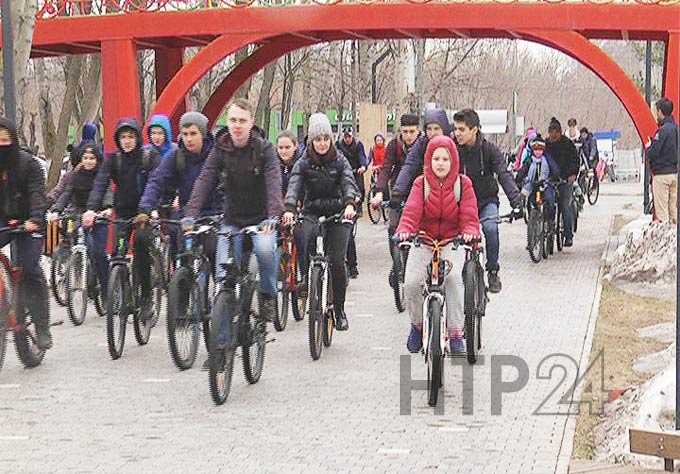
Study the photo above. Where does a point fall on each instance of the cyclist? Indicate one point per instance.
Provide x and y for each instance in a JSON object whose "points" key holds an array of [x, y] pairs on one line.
{"points": [[573, 133], [433, 207], [128, 168], [563, 152], [483, 163], [540, 170], [245, 166], [323, 180], [86, 160], [288, 152], [175, 176], [353, 150], [22, 198], [395, 155], [376, 157], [160, 137]]}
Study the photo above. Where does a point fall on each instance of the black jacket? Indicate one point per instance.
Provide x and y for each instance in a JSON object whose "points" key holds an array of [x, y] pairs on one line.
{"points": [[484, 164], [565, 155], [324, 185], [77, 191], [22, 183], [663, 151], [128, 171]]}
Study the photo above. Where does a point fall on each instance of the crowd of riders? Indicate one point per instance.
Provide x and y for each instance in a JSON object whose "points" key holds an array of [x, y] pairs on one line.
{"points": [[439, 177]]}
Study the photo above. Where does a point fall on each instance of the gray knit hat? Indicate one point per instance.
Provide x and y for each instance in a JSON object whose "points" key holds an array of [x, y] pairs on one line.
{"points": [[194, 118], [318, 125]]}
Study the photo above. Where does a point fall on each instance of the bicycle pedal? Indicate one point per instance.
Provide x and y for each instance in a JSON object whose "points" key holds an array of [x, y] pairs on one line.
{"points": [[273, 339], [57, 323]]}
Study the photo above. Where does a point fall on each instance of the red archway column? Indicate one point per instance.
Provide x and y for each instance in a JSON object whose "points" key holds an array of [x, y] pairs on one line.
{"points": [[591, 56], [671, 72], [168, 61], [176, 90], [249, 66], [120, 81]]}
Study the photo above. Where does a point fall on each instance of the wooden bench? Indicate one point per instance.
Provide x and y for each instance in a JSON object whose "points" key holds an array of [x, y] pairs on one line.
{"points": [[662, 445]]}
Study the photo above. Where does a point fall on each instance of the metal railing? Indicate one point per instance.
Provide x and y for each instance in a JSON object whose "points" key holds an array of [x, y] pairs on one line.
{"points": [[59, 8]]}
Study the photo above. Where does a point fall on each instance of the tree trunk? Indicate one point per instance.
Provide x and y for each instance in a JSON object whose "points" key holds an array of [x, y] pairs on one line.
{"points": [[244, 91], [262, 113], [23, 19], [287, 93]]}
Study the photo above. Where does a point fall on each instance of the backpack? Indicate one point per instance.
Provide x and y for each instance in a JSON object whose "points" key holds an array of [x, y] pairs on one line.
{"points": [[146, 160], [457, 189]]}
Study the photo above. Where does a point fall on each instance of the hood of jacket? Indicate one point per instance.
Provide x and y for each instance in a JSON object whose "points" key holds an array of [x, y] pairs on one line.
{"points": [[162, 121], [130, 123], [79, 151], [432, 145], [438, 116], [89, 132], [12, 129]]}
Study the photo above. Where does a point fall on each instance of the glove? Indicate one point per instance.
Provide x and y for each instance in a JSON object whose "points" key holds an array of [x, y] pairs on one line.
{"points": [[187, 224], [141, 218]]}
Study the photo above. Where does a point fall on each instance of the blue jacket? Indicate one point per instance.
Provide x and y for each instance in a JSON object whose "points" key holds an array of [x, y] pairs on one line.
{"points": [[168, 146], [533, 174], [168, 179], [663, 151]]}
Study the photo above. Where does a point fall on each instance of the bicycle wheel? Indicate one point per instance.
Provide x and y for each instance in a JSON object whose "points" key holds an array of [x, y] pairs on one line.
{"points": [[535, 236], [76, 287], [116, 311], [221, 361], [298, 304], [398, 281], [593, 190], [254, 343], [574, 211], [373, 214], [94, 290], [435, 356], [315, 315], [26, 340], [5, 292], [559, 231], [283, 294], [58, 275], [157, 287], [328, 315], [183, 318], [471, 305]]}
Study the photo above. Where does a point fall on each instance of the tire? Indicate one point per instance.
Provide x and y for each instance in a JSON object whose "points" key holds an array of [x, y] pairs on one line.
{"points": [[76, 287], [315, 316], [25, 340], [435, 356], [157, 287], [184, 318], [116, 311], [574, 210], [373, 214], [58, 275], [482, 296], [298, 304], [5, 307], [221, 361], [549, 243], [535, 236], [283, 294], [254, 344], [593, 190], [472, 303], [398, 286], [559, 231]]}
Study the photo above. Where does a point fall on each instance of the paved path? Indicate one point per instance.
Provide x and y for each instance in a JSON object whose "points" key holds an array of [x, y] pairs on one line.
{"points": [[82, 412]]}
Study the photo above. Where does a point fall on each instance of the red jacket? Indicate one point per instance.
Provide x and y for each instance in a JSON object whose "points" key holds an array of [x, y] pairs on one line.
{"points": [[441, 216]]}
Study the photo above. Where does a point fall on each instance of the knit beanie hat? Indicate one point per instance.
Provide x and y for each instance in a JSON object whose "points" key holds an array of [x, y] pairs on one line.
{"points": [[195, 118], [319, 125]]}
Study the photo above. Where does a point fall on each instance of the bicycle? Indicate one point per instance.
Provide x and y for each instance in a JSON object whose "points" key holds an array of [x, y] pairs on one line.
{"points": [[374, 213], [81, 283], [540, 230], [398, 271], [124, 294], [290, 278], [589, 181], [14, 315], [59, 261], [235, 295], [435, 332], [189, 296], [321, 315]]}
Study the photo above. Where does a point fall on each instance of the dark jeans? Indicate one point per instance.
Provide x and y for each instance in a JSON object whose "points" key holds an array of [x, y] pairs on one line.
{"points": [[26, 251], [488, 217], [351, 251], [394, 216], [337, 237], [141, 263], [566, 191], [359, 178]]}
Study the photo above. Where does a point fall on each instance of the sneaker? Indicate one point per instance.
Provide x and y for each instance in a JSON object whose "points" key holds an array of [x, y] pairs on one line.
{"points": [[495, 285], [353, 272], [44, 339], [267, 308], [415, 340], [341, 323], [457, 344], [568, 242]]}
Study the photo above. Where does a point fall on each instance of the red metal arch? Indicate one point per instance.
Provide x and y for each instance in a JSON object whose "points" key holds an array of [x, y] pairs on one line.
{"points": [[256, 61], [570, 43]]}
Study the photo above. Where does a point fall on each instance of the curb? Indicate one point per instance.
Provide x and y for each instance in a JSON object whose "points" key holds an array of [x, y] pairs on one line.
{"points": [[567, 442]]}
